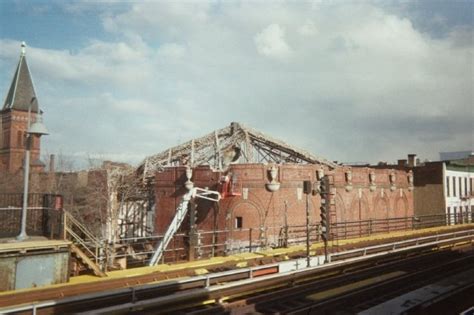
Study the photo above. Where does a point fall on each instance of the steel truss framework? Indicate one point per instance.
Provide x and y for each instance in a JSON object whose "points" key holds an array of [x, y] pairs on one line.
{"points": [[233, 144]]}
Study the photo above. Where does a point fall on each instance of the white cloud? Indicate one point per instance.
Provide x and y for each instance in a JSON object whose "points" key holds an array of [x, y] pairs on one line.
{"points": [[172, 51], [271, 42], [357, 82], [308, 29]]}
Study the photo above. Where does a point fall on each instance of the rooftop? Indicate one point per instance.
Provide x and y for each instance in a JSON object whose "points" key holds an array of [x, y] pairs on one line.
{"points": [[235, 143]]}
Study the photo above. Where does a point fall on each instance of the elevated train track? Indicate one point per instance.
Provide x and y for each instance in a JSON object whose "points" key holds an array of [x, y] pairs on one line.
{"points": [[348, 293], [238, 287]]}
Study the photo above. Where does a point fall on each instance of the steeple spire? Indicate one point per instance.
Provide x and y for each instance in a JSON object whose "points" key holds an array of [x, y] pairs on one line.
{"points": [[23, 49], [21, 94]]}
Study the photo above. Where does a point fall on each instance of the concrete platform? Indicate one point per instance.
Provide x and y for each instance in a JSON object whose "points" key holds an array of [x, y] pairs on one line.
{"points": [[14, 240], [32, 244]]}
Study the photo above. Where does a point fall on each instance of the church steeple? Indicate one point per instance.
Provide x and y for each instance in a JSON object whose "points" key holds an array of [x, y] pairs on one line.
{"points": [[22, 92], [14, 118]]}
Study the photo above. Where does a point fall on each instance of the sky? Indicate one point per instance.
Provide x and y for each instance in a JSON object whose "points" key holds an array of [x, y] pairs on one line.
{"points": [[352, 81]]}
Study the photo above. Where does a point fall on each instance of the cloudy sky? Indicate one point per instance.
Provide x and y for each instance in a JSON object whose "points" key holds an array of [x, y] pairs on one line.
{"points": [[348, 80]]}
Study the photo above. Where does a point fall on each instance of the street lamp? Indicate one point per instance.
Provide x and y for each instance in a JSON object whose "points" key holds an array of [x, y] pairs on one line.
{"points": [[36, 129]]}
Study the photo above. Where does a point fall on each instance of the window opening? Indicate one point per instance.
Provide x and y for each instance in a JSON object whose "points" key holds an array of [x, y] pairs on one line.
{"points": [[454, 186], [238, 222], [447, 186]]}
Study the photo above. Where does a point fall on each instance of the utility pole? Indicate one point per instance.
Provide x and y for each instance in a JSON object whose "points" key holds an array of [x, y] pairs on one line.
{"points": [[307, 190], [324, 192], [37, 129], [285, 240], [192, 229]]}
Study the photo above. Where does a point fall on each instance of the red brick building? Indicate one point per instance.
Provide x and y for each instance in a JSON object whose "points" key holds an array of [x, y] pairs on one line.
{"points": [[254, 213], [20, 106]]}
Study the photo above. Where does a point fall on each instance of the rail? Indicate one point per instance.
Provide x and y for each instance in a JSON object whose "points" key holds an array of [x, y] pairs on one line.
{"points": [[212, 287], [221, 242], [229, 281], [401, 245], [80, 235]]}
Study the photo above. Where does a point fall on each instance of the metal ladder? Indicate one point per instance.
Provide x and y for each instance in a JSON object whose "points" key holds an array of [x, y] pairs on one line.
{"points": [[178, 219]]}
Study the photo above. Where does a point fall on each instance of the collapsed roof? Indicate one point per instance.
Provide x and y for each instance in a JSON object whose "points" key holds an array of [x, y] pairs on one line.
{"points": [[233, 144]]}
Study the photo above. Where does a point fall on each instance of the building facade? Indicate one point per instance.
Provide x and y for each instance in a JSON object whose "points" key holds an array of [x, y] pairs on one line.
{"points": [[444, 190], [264, 203], [458, 190]]}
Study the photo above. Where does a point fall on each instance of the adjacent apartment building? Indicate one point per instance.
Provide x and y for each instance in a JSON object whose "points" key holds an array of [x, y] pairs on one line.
{"points": [[446, 188]]}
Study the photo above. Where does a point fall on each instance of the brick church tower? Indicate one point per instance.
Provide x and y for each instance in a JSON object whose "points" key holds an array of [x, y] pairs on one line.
{"points": [[20, 106]]}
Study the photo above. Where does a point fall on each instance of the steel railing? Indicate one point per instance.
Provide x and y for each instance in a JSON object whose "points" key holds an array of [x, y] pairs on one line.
{"points": [[222, 242], [88, 242]]}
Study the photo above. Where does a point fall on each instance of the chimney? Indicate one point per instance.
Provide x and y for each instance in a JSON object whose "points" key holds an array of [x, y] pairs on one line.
{"points": [[402, 163], [412, 160], [51, 163]]}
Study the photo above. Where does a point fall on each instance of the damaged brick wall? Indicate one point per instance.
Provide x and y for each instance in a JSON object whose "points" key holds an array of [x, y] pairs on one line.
{"points": [[359, 194]]}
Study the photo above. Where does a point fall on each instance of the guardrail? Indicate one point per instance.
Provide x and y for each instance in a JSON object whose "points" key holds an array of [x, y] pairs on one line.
{"points": [[411, 243], [81, 236], [225, 241]]}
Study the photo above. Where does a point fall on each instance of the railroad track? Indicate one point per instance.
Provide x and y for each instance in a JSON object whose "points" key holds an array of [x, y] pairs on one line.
{"points": [[344, 293], [376, 292], [189, 293]]}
